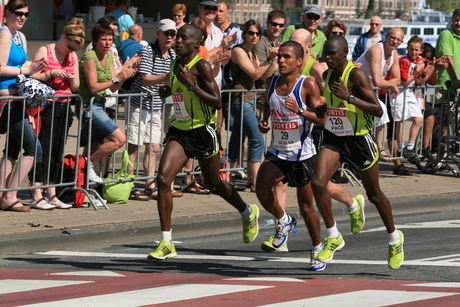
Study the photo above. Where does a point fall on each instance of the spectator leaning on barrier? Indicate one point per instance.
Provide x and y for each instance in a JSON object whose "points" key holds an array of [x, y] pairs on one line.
{"points": [[407, 105], [97, 74], [369, 38], [376, 62], [192, 134], [312, 17], [246, 69], [13, 56], [63, 73], [125, 20], [143, 116]]}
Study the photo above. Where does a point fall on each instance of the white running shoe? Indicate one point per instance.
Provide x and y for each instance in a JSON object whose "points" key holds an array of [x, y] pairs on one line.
{"points": [[92, 176]]}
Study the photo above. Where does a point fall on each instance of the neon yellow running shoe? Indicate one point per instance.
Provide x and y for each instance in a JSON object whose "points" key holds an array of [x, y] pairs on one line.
{"points": [[331, 245], [358, 219], [396, 253], [267, 246], [251, 225], [163, 251]]}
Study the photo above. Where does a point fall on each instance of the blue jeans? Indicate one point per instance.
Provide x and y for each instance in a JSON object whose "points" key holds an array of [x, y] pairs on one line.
{"points": [[20, 130], [250, 127]]}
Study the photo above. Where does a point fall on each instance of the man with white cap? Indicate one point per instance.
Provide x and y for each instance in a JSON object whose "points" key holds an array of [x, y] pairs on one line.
{"points": [[312, 17], [143, 116]]}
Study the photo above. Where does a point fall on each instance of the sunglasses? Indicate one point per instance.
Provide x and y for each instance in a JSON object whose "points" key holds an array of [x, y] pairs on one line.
{"points": [[177, 15], [20, 14], [275, 24], [253, 33], [313, 16], [169, 33], [374, 24], [209, 7], [338, 33], [71, 48]]}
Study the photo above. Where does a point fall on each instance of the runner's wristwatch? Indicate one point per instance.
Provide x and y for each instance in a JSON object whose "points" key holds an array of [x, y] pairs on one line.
{"points": [[300, 111], [191, 86], [351, 99]]}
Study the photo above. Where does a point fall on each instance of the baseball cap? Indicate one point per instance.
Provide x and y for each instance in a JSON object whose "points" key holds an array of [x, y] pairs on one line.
{"points": [[313, 9], [208, 2], [166, 24]]}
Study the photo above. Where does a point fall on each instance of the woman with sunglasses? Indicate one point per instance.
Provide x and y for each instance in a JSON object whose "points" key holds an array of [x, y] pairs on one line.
{"points": [[179, 11], [63, 73], [333, 28], [246, 69], [13, 55]]}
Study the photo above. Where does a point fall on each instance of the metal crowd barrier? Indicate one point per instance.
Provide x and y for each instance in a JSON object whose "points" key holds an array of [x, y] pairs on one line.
{"points": [[448, 144]]}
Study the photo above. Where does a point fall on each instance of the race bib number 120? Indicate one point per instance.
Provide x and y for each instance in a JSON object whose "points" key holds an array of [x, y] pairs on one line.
{"points": [[337, 122]]}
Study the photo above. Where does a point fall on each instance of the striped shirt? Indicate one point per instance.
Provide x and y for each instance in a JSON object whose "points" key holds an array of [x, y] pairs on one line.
{"points": [[146, 66]]}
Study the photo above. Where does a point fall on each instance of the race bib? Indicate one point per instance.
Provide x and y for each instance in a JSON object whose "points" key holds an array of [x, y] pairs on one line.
{"points": [[337, 122], [180, 112], [286, 135]]}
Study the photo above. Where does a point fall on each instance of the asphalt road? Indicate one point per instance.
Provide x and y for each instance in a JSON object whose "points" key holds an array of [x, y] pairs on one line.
{"points": [[431, 250]]}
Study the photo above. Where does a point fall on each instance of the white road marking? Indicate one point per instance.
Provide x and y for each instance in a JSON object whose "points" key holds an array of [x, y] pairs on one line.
{"points": [[365, 298], [275, 279], [151, 296], [20, 285], [424, 225], [436, 285], [89, 273], [306, 261]]}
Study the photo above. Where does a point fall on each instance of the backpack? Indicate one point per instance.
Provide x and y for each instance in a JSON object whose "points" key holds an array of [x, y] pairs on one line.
{"points": [[76, 197]]}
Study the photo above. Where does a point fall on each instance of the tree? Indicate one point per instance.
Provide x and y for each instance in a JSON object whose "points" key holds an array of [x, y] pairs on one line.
{"points": [[370, 9]]}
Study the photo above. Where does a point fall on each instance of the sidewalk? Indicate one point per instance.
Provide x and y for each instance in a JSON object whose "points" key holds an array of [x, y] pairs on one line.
{"points": [[137, 221]]}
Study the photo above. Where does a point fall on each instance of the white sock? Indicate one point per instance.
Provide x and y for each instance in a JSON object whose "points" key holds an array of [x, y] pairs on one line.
{"points": [[333, 231], [410, 145], [393, 237], [400, 146], [285, 219], [318, 248], [246, 213], [354, 206], [167, 236]]}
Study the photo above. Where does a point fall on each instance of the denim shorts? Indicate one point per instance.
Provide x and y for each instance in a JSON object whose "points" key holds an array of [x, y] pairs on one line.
{"points": [[102, 125]]}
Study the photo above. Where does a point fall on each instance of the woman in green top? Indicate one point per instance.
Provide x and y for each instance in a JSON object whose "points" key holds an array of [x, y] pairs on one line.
{"points": [[97, 74]]}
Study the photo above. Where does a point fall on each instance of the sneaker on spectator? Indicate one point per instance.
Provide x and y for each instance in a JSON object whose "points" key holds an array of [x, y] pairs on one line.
{"points": [[426, 153], [406, 153], [401, 170], [96, 201], [92, 176]]}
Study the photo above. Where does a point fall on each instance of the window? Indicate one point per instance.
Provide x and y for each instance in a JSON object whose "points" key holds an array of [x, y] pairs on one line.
{"points": [[415, 31], [428, 31]]}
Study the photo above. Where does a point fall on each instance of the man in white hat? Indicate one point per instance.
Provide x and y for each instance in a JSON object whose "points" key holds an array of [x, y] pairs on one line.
{"points": [[312, 17], [143, 117]]}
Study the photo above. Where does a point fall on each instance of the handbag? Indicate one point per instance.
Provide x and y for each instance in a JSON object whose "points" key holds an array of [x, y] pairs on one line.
{"points": [[37, 92], [118, 192]]}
